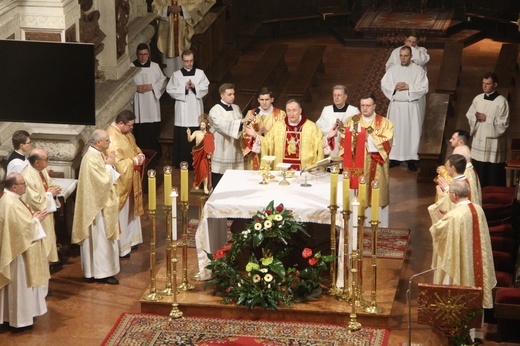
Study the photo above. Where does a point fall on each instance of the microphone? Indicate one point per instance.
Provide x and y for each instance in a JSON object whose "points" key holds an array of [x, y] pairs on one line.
{"points": [[257, 111]]}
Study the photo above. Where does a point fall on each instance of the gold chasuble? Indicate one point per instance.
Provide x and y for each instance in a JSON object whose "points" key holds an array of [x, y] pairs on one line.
{"points": [[38, 183], [262, 124], [174, 35], [356, 156], [95, 193], [462, 250], [130, 181], [17, 231], [301, 145]]}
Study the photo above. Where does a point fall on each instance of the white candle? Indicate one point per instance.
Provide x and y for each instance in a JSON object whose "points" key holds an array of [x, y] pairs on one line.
{"points": [[355, 206], [173, 196]]}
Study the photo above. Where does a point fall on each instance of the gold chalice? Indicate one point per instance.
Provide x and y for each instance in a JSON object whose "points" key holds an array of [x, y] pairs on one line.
{"points": [[284, 167], [268, 159]]}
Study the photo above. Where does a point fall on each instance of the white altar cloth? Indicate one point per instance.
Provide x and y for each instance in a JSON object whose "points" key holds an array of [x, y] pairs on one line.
{"points": [[239, 195]]}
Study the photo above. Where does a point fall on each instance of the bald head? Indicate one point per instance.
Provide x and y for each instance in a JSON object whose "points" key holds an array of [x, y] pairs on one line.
{"points": [[463, 150], [99, 139], [37, 154]]}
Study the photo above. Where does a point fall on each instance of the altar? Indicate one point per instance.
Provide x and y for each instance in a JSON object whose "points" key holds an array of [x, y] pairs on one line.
{"points": [[239, 194]]}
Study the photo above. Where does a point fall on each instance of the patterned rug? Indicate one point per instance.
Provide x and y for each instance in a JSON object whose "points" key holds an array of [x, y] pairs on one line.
{"points": [[430, 23], [370, 81], [148, 329], [391, 242]]}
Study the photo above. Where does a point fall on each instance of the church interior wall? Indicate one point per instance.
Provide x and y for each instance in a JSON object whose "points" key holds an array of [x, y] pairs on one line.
{"points": [[66, 143]]}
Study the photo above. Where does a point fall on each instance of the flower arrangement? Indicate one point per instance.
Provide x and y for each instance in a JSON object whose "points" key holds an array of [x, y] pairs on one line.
{"points": [[459, 335], [265, 281]]}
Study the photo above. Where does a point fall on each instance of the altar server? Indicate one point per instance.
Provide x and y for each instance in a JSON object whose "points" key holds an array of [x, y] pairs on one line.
{"points": [[340, 109], [187, 87], [406, 86], [150, 85], [226, 125]]}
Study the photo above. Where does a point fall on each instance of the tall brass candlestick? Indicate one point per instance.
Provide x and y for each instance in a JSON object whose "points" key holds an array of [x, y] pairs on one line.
{"points": [[153, 295], [373, 308], [185, 286], [360, 236], [333, 265], [354, 325], [345, 295], [175, 312], [168, 211], [333, 209]]}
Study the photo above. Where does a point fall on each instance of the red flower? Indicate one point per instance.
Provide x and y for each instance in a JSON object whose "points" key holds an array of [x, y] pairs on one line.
{"points": [[306, 253], [220, 253], [268, 212], [279, 208], [313, 261]]}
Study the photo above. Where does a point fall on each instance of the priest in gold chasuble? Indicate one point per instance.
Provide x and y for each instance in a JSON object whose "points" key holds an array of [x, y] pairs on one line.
{"points": [[40, 195], [96, 225], [129, 164], [296, 140], [462, 250], [24, 269], [365, 144]]}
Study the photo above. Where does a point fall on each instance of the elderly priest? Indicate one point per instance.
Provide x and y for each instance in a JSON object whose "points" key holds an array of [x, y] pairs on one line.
{"points": [[24, 270], [95, 226]]}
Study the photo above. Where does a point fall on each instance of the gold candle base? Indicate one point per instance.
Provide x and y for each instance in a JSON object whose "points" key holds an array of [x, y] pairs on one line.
{"points": [[175, 313], [374, 309], [153, 297]]}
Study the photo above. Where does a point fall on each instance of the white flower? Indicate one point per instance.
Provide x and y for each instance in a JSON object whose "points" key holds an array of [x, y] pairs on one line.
{"points": [[258, 226], [256, 278], [269, 286], [268, 224], [278, 217], [263, 270], [268, 278]]}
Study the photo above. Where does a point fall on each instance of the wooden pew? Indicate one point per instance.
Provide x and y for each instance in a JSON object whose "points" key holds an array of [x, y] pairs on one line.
{"points": [[306, 74], [433, 146], [270, 63], [507, 65], [450, 68]]}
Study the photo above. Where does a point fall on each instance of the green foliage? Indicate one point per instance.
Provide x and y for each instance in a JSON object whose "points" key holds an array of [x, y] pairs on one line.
{"points": [[265, 281]]}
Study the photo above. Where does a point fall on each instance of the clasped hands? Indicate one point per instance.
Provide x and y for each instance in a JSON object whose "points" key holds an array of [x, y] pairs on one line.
{"points": [[189, 85], [401, 86], [142, 88], [481, 117]]}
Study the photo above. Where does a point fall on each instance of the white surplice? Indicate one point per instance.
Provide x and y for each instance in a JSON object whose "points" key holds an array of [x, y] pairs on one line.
{"points": [[188, 105], [147, 108], [405, 110]]}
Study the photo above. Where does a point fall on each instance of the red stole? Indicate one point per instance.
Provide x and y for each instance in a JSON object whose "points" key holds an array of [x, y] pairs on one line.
{"points": [[478, 269], [354, 155], [44, 181], [292, 151]]}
